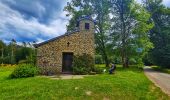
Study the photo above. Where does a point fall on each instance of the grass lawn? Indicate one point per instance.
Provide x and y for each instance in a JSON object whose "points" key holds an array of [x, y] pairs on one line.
{"points": [[165, 70], [125, 84]]}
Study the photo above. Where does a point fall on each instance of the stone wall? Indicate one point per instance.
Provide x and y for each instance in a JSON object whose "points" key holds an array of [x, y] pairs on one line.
{"points": [[49, 55]]}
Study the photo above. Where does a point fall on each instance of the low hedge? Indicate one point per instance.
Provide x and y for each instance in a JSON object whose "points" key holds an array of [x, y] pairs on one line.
{"points": [[24, 70]]}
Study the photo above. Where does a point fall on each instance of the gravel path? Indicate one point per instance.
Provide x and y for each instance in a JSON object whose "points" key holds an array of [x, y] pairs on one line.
{"points": [[160, 79]]}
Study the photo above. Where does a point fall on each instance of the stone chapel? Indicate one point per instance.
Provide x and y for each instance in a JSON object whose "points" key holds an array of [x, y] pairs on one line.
{"points": [[56, 55]]}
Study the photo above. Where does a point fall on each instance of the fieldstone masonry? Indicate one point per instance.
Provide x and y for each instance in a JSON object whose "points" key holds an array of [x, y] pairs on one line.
{"points": [[50, 53]]}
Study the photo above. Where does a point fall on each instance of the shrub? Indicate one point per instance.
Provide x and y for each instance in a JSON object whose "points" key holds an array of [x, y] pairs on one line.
{"points": [[132, 61], [98, 70], [98, 59], [6, 60], [24, 70], [82, 64]]}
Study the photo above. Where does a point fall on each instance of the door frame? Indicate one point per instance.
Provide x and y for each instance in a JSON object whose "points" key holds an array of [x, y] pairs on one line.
{"points": [[63, 53]]}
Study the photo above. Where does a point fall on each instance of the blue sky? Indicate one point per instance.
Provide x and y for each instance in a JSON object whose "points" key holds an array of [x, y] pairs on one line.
{"points": [[33, 20]]}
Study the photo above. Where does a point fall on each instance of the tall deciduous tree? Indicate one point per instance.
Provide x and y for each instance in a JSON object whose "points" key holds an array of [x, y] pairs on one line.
{"points": [[2, 47], [130, 25], [14, 53], [13, 49], [99, 10], [160, 34]]}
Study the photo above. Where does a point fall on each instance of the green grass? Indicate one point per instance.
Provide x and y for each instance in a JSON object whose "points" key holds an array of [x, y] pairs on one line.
{"points": [[157, 68], [100, 65], [125, 84]]}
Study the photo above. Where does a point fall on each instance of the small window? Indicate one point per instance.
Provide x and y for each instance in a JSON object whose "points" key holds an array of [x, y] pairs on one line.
{"points": [[87, 26]]}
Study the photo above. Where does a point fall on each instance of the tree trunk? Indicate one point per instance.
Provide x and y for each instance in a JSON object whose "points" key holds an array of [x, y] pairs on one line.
{"points": [[127, 62], [105, 55], [123, 58], [12, 55], [2, 55], [123, 33], [106, 61]]}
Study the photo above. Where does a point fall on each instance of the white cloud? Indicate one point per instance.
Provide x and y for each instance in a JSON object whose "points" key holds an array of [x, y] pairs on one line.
{"points": [[139, 1], [13, 24], [39, 40], [166, 2], [29, 28]]}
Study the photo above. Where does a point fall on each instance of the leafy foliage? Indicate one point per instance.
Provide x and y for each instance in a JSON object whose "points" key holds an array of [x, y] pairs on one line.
{"points": [[14, 53], [82, 64], [98, 59], [94, 8], [160, 34], [122, 27], [24, 70], [97, 69], [130, 25]]}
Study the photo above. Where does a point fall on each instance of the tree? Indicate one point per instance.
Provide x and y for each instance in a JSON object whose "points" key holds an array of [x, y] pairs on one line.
{"points": [[75, 9], [160, 33], [99, 10], [34, 53], [13, 49], [2, 47], [122, 26], [130, 25], [14, 53]]}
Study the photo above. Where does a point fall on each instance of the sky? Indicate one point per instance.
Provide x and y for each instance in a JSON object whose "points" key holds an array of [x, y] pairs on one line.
{"points": [[34, 20]]}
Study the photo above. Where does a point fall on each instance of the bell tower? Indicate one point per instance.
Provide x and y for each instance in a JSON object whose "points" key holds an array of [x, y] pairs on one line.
{"points": [[86, 27], [86, 23]]}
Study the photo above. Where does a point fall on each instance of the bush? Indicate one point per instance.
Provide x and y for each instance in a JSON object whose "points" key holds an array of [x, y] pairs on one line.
{"points": [[98, 70], [132, 61], [83, 64], [98, 59], [7, 60], [24, 70]]}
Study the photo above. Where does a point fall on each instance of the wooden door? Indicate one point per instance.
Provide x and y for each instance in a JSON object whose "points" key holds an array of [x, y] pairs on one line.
{"points": [[67, 62]]}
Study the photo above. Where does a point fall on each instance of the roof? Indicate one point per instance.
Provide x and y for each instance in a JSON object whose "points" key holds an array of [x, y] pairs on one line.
{"points": [[56, 38], [66, 34]]}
